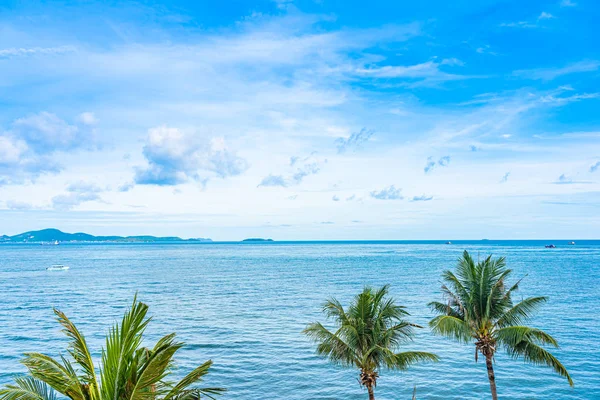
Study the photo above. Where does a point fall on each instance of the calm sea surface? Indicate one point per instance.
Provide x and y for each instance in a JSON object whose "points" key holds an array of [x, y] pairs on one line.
{"points": [[244, 306]]}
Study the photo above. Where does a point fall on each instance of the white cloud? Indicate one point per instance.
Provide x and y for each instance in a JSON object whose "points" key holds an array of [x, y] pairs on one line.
{"points": [[388, 193], [31, 51], [548, 74], [77, 193], [546, 15], [176, 157]]}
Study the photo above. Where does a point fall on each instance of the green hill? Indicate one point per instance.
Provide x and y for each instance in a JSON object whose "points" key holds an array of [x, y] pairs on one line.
{"points": [[55, 235]]}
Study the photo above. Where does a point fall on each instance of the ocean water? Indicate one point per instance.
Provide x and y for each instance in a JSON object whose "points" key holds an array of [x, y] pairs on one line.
{"points": [[244, 305]]}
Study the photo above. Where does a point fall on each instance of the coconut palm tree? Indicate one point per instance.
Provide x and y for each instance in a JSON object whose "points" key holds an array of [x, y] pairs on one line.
{"points": [[367, 335], [128, 371], [479, 308]]}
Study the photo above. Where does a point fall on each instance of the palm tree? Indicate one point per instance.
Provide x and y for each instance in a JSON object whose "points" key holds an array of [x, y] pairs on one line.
{"points": [[479, 308], [128, 371], [367, 336]]}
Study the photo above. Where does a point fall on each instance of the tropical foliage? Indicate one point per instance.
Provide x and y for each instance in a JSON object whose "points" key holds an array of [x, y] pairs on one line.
{"points": [[479, 308], [128, 371], [367, 336]]}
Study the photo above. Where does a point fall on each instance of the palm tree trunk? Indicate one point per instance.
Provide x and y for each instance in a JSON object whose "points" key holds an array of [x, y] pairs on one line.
{"points": [[371, 394], [491, 376]]}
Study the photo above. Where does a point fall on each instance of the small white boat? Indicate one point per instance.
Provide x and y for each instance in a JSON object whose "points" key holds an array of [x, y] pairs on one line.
{"points": [[58, 267], [572, 243]]}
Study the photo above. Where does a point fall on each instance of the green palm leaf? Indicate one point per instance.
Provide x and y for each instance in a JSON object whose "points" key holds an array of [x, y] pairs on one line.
{"points": [[537, 355], [155, 369], [180, 390], [61, 378], [27, 388], [121, 343], [80, 352]]}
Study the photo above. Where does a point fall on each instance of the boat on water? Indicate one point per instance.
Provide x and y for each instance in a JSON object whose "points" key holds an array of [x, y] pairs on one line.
{"points": [[550, 246], [448, 242], [572, 243], [57, 267]]}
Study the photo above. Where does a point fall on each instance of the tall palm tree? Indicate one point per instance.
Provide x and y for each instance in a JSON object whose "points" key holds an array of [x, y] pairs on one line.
{"points": [[480, 309], [128, 371], [367, 335]]}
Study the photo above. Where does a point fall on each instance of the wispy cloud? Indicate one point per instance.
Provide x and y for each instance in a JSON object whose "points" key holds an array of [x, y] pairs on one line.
{"points": [[18, 205], [388, 193], [595, 167], [529, 24], [31, 51], [567, 180], [273, 180], [567, 3], [425, 74], [354, 141], [505, 177], [548, 74], [300, 169], [431, 163], [422, 198], [77, 193], [335, 198]]}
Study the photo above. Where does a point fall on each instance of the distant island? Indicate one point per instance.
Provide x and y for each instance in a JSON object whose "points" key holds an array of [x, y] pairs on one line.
{"points": [[57, 236], [257, 240]]}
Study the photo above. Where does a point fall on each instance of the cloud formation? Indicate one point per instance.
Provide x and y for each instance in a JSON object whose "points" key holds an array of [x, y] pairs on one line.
{"points": [[388, 193], [431, 163], [595, 167], [176, 157], [29, 146], [354, 141], [424, 74], [505, 177], [548, 74], [422, 198], [300, 168], [23, 51], [77, 193], [273, 180]]}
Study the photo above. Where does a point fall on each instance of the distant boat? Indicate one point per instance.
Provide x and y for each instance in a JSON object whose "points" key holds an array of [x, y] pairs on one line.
{"points": [[572, 243], [448, 242], [57, 267], [550, 246]]}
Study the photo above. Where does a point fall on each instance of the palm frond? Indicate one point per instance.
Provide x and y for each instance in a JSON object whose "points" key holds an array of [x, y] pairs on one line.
{"points": [[511, 336], [122, 342], [80, 352], [520, 312], [27, 388], [60, 377], [537, 355], [452, 327], [155, 369], [330, 344], [402, 361], [180, 390]]}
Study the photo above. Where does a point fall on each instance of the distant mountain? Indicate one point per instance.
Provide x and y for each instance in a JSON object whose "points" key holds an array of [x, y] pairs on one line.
{"points": [[257, 240], [54, 235]]}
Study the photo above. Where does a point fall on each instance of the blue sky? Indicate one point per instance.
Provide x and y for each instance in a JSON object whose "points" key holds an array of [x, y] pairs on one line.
{"points": [[301, 119]]}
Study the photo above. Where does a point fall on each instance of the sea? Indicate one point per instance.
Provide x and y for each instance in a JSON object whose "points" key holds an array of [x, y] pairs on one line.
{"points": [[244, 306]]}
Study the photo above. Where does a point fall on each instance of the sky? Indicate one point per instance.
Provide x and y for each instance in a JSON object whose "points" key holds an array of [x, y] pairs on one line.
{"points": [[301, 120]]}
